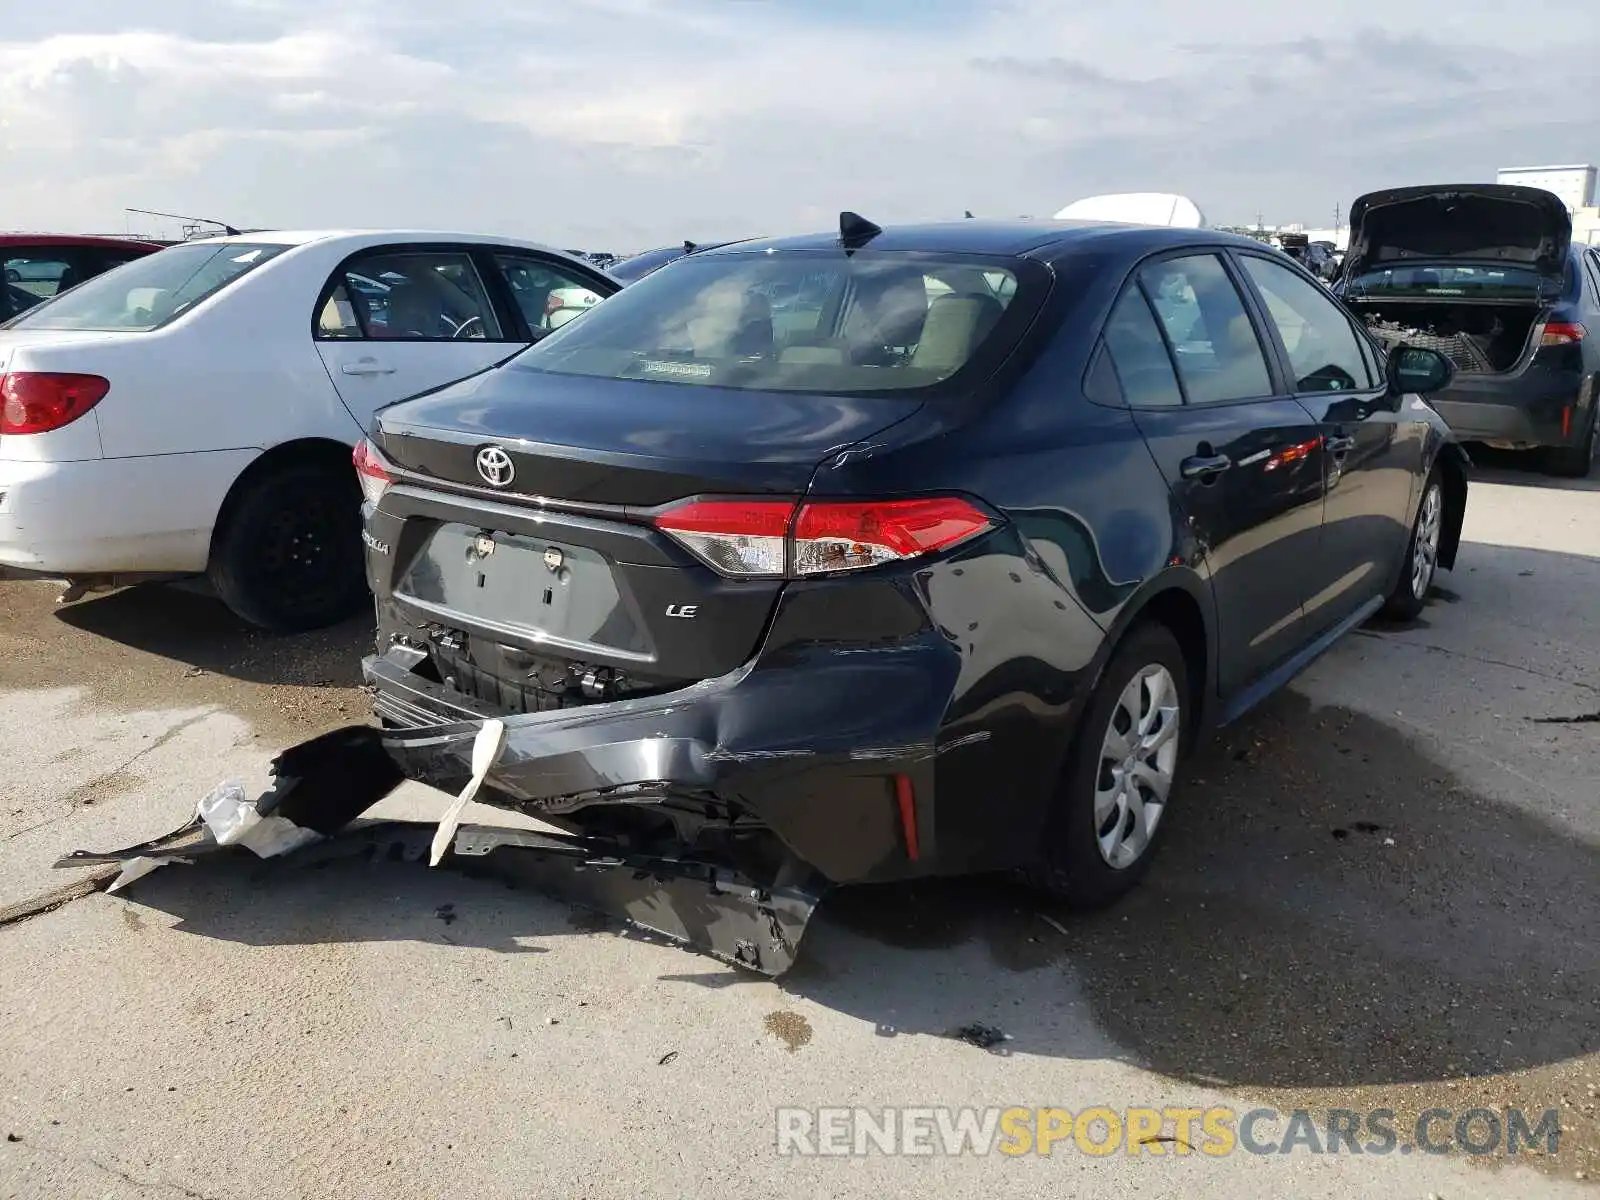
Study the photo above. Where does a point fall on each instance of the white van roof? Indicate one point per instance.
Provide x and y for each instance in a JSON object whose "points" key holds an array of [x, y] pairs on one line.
{"points": [[1136, 208]]}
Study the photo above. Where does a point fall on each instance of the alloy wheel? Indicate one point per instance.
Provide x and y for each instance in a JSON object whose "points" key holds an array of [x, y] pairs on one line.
{"points": [[1425, 549], [1138, 760]]}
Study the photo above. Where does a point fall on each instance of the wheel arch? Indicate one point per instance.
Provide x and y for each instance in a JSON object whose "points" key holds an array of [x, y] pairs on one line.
{"points": [[301, 452], [1179, 599]]}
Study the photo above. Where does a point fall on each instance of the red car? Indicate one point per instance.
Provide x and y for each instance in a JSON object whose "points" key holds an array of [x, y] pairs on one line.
{"points": [[38, 265]]}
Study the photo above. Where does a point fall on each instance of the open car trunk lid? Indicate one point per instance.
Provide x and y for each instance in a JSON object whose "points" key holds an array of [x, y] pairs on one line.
{"points": [[1469, 270], [1460, 223], [517, 543]]}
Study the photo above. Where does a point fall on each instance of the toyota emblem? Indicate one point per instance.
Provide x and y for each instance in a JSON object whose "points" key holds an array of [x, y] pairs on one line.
{"points": [[495, 465]]}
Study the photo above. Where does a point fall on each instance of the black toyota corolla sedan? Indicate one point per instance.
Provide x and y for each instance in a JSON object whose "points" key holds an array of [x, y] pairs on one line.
{"points": [[896, 552]]}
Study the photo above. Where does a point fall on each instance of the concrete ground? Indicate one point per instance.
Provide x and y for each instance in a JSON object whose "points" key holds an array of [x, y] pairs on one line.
{"points": [[1381, 891]]}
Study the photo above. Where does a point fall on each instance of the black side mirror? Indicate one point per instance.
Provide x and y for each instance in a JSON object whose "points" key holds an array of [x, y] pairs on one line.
{"points": [[1413, 370]]}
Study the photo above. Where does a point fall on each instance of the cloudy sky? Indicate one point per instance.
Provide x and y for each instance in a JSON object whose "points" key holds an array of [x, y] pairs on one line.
{"points": [[626, 123]]}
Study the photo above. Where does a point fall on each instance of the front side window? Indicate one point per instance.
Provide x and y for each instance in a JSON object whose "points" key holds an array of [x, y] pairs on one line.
{"points": [[149, 292], [799, 322], [1324, 355], [548, 295], [1219, 356], [408, 295], [1140, 355]]}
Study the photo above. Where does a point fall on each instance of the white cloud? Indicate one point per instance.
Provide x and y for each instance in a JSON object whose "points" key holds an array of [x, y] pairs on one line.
{"points": [[629, 122]]}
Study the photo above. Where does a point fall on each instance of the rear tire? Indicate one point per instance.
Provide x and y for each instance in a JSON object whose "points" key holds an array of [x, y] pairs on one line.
{"points": [[1421, 562], [1109, 812], [289, 557], [1575, 462]]}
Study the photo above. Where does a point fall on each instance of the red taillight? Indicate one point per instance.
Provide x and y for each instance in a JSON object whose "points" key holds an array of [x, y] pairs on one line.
{"points": [[842, 536], [375, 480], [1563, 333], [773, 537], [39, 401]]}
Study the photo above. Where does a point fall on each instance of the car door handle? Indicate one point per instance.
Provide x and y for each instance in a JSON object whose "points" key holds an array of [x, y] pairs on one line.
{"points": [[1202, 466], [1340, 444], [366, 366]]}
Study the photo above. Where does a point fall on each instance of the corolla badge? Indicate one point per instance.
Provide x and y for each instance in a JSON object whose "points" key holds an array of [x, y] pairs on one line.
{"points": [[495, 465]]}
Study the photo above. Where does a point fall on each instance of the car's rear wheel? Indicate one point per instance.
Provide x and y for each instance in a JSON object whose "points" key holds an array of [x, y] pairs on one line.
{"points": [[1575, 462], [288, 557], [1422, 554], [1109, 812]]}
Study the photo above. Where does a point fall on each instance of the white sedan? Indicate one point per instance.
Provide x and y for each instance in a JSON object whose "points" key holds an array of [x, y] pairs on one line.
{"points": [[195, 411]]}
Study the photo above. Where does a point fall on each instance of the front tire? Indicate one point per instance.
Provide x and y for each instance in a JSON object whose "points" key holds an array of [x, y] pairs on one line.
{"points": [[1108, 814], [1421, 562], [288, 557]]}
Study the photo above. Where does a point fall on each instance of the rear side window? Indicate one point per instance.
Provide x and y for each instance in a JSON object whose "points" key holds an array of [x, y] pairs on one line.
{"points": [[337, 318], [802, 321], [408, 295], [1139, 355], [149, 292], [1219, 356], [1323, 352], [32, 277]]}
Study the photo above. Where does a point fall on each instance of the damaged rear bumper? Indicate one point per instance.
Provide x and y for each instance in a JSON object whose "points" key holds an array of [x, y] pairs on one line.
{"points": [[717, 815], [314, 811], [834, 756]]}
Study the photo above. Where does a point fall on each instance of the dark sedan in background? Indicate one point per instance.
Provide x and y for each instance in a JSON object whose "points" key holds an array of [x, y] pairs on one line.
{"points": [[897, 552], [637, 266], [1488, 275]]}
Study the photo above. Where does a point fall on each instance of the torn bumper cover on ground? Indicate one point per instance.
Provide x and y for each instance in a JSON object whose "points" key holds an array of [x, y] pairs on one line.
{"points": [[323, 787]]}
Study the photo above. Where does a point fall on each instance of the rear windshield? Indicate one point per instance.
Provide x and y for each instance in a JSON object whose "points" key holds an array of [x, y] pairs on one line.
{"points": [[801, 321], [148, 292], [1446, 281]]}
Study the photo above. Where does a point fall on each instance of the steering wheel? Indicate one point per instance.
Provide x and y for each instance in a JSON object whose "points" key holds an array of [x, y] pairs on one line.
{"points": [[461, 329]]}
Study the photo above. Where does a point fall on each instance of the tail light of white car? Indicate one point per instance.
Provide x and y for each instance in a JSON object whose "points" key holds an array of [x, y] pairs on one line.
{"points": [[374, 478], [40, 401], [756, 538]]}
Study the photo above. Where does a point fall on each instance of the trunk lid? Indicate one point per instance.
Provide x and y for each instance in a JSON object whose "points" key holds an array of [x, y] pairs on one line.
{"points": [[623, 443], [541, 584], [1476, 223]]}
